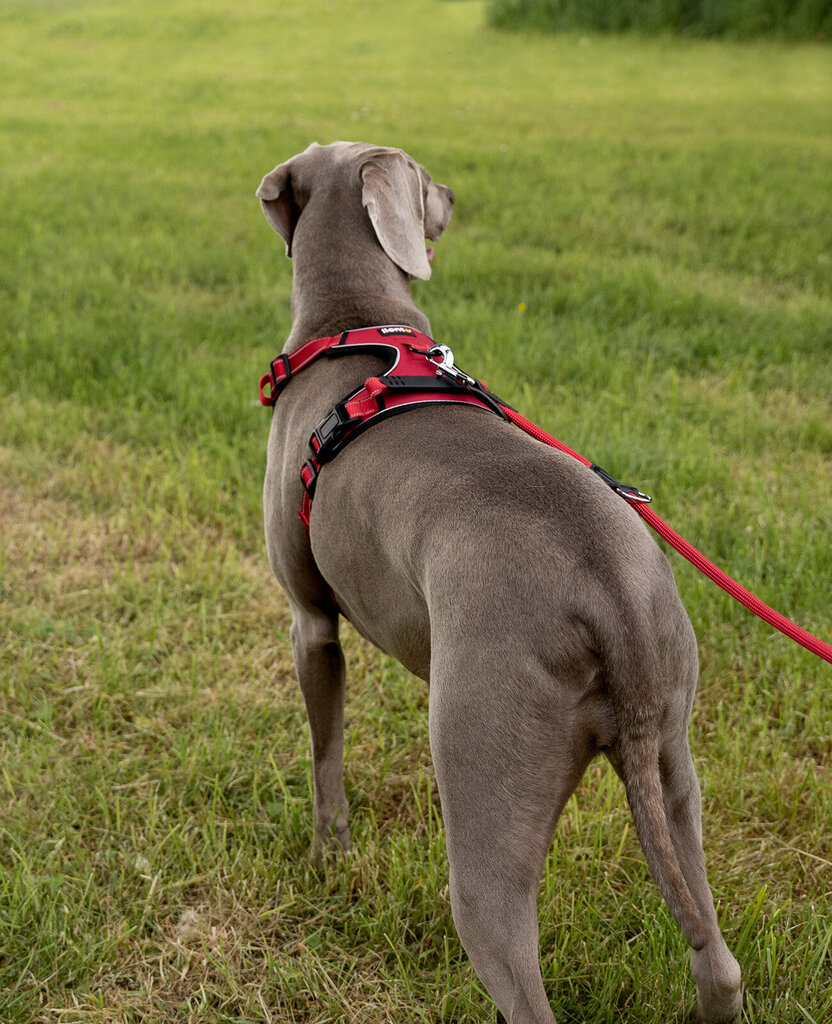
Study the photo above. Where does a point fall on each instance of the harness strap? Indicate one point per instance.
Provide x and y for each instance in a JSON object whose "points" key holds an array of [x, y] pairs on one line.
{"points": [[283, 367]]}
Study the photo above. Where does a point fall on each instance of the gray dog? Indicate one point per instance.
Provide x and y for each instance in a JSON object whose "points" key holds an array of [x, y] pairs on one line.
{"points": [[517, 582]]}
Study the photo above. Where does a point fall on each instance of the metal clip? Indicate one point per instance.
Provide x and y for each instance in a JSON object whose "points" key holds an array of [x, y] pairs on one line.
{"points": [[631, 494], [446, 367]]}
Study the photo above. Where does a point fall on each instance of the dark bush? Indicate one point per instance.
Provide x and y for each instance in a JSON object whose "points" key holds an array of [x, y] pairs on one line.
{"points": [[742, 19]]}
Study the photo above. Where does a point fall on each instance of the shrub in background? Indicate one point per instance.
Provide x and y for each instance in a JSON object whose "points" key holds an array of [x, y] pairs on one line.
{"points": [[790, 19]]}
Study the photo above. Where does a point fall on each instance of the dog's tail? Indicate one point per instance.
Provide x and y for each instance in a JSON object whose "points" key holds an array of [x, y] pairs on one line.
{"points": [[636, 676], [638, 752]]}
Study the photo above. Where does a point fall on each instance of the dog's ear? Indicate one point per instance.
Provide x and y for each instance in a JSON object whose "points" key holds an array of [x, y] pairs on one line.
{"points": [[277, 200], [392, 196]]}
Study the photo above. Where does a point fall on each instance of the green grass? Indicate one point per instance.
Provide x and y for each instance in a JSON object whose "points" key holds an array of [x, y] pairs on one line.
{"points": [[640, 259]]}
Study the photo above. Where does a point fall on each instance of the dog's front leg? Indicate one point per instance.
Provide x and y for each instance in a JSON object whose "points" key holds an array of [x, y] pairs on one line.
{"points": [[320, 667]]}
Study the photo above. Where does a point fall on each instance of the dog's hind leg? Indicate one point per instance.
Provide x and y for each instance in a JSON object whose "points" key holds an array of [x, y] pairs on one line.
{"points": [[504, 768], [319, 663]]}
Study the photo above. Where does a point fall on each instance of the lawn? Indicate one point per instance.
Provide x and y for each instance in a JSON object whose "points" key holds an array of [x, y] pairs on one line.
{"points": [[640, 260]]}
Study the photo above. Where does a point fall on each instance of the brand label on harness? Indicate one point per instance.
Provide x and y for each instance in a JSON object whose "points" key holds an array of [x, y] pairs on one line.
{"points": [[397, 330]]}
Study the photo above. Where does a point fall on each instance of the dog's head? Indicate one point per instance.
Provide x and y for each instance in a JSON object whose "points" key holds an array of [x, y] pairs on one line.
{"points": [[403, 204]]}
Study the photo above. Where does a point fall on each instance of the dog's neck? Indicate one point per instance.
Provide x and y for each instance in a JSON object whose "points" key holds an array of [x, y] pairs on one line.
{"points": [[338, 288]]}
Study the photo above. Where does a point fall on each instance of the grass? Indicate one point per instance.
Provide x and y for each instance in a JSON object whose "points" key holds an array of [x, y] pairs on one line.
{"points": [[640, 259]]}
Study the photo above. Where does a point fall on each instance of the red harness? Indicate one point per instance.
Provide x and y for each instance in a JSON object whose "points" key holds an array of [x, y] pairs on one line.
{"points": [[418, 373], [427, 375]]}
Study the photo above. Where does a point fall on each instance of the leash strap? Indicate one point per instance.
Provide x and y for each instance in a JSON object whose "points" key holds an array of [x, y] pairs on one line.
{"points": [[736, 590], [687, 550]]}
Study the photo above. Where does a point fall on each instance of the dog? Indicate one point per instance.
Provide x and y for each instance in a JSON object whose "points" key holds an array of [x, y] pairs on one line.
{"points": [[518, 584]]}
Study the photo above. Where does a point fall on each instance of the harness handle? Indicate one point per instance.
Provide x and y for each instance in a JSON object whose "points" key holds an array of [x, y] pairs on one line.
{"points": [[269, 397]]}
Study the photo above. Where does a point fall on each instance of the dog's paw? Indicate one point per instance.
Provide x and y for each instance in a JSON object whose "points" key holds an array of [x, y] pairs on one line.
{"points": [[718, 985], [728, 1011], [329, 845]]}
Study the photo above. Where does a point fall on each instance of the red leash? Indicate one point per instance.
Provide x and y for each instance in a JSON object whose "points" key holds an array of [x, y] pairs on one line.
{"points": [[688, 551]]}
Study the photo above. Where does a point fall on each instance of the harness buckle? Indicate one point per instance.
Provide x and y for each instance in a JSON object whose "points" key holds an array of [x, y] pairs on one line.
{"points": [[330, 431]]}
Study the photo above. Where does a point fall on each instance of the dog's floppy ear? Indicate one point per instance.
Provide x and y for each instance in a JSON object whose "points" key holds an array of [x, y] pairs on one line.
{"points": [[278, 202], [392, 196]]}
